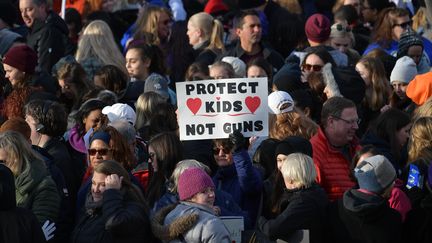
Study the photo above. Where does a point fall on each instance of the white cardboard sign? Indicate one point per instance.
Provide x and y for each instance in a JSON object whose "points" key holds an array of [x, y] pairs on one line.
{"points": [[211, 109]]}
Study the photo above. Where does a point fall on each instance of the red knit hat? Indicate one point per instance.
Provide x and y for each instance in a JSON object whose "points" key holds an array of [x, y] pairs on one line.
{"points": [[318, 28], [215, 6], [21, 57], [192, 181], [420, 88]]}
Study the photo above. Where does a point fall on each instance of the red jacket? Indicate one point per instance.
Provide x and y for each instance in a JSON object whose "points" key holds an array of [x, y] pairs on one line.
{"points": [[333, 169]]}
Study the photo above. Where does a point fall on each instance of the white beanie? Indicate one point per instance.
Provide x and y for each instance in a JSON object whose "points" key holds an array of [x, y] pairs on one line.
{"points": [[238, 65], [404, 71]]}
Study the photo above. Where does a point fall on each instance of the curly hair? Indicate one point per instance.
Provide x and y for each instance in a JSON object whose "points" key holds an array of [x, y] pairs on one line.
{"points": [[15, 101], [119, 147], [292, 123], [50, 115]]}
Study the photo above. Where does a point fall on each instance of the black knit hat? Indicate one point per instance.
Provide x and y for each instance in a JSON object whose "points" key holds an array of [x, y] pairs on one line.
{"points": [[294, 144], [248, 4], [408, 39]]}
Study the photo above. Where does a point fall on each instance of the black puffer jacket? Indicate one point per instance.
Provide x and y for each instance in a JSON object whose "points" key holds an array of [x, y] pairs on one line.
{"points": [[305, 209], [16, 224], [50, 40], [117, 219]]}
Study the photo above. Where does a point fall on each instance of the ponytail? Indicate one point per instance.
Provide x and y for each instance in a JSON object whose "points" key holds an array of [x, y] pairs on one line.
{"points": [[216, 36]]}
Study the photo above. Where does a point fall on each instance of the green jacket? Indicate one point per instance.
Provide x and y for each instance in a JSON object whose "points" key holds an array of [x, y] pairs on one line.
{"points": [[36, 191]]}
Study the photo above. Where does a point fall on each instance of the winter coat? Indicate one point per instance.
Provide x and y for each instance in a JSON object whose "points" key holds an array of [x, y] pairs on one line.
{"points": [[223, 200], [333, 169], [203, 55], [419, 222], [115, 219], [36, 191], [16, 224], [363, 217], [208, 228], [270, 55], [243, 181], [49, 38], [306, 209]]}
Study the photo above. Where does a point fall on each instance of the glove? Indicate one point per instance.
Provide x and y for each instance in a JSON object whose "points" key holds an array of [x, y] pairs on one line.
{"points": [[239, 141], [48, 230]]}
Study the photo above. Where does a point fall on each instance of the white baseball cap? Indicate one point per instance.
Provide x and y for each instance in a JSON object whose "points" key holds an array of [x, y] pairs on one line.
{"points": [[120, 111], [280, 102]]}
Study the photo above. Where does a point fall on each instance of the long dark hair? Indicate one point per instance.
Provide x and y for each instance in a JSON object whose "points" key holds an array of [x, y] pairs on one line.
{"points": [[168, 151], [386, 127]]}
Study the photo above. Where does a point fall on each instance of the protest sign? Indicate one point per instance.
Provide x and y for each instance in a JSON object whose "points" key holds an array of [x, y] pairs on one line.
{"points": [[211, 109]]}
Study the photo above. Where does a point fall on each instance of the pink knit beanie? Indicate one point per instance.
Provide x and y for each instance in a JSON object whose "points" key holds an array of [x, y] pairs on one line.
{"points": [[193, 181]]}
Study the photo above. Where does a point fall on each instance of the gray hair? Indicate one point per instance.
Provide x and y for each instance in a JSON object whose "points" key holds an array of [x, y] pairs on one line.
{"points": [[299, 168], [126, 129]]}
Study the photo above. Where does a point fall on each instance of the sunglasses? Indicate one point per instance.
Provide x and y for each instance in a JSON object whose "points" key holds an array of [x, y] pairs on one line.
{"points": [[308, 67], [340, 27], [101, 152], [404, 25], [216, 151]]}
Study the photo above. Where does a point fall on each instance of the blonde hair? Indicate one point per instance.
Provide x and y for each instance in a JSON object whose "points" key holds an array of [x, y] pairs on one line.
{"points": [[182, 166], [420, 139], [378, 94], [211, 28], [98, 42], [299, 168], [293, 123], [147, 24], [423, 110], [19, 152], [146, 107]]}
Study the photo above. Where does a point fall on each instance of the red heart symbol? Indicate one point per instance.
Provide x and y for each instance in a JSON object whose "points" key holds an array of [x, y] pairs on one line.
{"points": [[194, 104], [218, 98], [253, 103]]}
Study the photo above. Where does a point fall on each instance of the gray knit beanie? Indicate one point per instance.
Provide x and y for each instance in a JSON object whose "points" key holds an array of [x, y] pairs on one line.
{"points": [[404, 71], [375, 174], [408, 39]]}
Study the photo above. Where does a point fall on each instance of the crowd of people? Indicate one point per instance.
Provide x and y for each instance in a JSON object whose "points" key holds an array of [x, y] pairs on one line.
{"points": [[89, 136]]}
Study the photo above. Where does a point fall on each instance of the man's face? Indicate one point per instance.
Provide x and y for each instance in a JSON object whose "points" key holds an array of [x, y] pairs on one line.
{"points": [[342, 129], [30, 12], [251, 30]]}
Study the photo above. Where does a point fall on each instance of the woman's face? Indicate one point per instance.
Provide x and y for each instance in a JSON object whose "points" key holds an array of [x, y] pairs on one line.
{"points": [[341, 43], [136, 66], [98, 152], [364, 73], [164, 26], [14, 75], [222, 156], [98, 186], [402, 135], [401, 25], [153, 158], [279, 159], [313, 63], [256, 72], [193, 33], [68, 89], [93, 120], [400, 89], [205, 197]]}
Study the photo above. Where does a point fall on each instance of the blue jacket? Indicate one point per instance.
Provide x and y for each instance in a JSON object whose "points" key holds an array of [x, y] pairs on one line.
{"points": [[392, 49], [243, 181]]}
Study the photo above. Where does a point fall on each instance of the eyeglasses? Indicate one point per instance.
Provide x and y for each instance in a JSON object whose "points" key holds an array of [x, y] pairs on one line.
{"points": [[101, 152], [404, 25], [352, 122], [309, 67], [216, 151], [340, 27]]}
